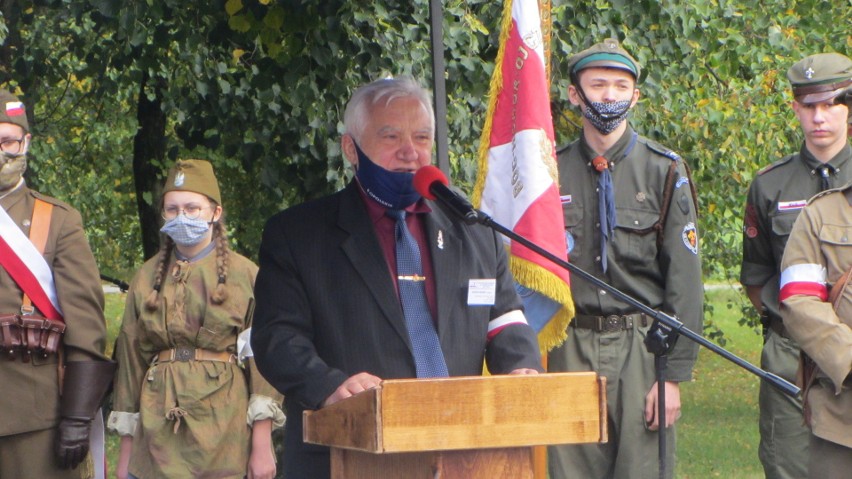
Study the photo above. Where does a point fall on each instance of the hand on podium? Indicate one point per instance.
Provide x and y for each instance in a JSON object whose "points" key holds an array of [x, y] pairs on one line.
{"points": [[352, 386]]}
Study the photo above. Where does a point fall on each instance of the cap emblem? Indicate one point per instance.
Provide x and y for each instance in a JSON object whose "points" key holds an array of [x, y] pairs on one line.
{"points": [[809, 73], [179, 178]]}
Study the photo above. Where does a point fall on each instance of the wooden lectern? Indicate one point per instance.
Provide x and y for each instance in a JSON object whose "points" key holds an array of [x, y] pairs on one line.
{"points": [[460, 427]]}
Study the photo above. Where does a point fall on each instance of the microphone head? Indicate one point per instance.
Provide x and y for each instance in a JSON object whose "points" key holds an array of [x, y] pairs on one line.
{"points": [[425, 177]]}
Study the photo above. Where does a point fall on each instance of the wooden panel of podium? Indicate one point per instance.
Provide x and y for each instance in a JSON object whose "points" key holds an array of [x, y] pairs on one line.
{"points": [[460, 427]]}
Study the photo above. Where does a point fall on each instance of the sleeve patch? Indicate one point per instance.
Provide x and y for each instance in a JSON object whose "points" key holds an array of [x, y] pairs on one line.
{"points": [[690, 237]]}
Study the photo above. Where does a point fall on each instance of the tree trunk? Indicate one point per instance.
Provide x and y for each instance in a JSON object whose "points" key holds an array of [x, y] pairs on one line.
{"points": [[149, 151]]}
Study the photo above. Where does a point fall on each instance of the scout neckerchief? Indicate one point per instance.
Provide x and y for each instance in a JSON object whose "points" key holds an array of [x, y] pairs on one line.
{"points": [[21, 258], [606, 197]]}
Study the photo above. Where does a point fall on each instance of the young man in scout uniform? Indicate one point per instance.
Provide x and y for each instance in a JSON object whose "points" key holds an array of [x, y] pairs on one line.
{"points": [[51, 322], [816, 305], [630, 217], [775, 198]]}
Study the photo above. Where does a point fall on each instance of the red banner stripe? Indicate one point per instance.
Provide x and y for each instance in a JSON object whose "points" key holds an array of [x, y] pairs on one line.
{"points": [[25, 279]]}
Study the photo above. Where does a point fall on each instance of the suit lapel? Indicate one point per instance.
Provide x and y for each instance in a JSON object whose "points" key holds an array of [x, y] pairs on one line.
{"points": [[364, 252], [445, 248]]}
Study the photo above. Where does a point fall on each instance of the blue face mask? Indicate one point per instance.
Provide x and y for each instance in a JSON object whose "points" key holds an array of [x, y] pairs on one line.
{"points": [[184, 231], [391, 189]]}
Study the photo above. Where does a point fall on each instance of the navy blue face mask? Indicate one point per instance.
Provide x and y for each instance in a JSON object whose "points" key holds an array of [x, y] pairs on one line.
{"points": [[391, 189]]}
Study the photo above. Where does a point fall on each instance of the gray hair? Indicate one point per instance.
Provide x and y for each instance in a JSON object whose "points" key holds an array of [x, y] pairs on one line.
{"points": [[383, 91]]}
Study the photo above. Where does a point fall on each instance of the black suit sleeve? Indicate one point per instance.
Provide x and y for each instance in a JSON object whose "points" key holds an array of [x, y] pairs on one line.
{"points": [[282, 338]]}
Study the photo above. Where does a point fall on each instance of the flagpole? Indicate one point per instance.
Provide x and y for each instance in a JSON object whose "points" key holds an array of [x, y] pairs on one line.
{"points": [[439, 88]]}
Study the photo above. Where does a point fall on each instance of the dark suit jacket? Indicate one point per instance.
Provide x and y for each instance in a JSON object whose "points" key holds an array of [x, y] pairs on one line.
{"points": [[327, 309]]}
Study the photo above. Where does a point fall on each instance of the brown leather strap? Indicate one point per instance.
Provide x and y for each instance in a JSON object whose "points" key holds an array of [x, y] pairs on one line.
{"points": [[610, 323], [187, 353], [39, 228], [837, 289]]}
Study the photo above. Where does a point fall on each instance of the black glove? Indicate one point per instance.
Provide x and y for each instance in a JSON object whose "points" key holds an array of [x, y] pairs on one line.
{"points": [[85, 385], [72, 442]]}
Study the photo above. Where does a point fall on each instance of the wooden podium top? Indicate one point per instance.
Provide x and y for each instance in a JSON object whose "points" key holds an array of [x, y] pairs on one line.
{"points": [[476, 412]]}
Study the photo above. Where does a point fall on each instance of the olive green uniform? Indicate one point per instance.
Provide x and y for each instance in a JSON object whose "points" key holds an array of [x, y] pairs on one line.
{"points": [[189, 418], [29, 405], [818, 253], [661, 270], [775, 198]]}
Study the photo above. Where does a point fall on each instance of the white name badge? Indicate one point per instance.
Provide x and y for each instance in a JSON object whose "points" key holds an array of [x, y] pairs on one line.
{"points": [[481, 292]]}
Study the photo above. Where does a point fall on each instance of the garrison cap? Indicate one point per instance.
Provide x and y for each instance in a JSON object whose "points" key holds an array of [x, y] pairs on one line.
{"points": [[196, 176], [606, 54], [820, 77], [12, 110]]}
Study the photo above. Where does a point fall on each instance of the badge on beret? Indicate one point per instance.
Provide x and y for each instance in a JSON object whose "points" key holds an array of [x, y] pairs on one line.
{"points": [[179, 178], [690, 237], [809, 73], [14, 108]]}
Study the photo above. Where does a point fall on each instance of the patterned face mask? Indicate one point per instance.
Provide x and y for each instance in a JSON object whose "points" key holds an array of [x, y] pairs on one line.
{"points": [[12, 167], [606, 116], [184, 231]]}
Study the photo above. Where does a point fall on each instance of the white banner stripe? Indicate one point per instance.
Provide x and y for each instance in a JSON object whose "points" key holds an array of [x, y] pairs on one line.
{"points": [[514, 316], [29, 255], [804, 273]]}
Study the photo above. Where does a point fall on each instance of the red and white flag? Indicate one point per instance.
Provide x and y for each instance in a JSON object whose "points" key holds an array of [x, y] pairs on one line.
{"points": [[518, 182]]}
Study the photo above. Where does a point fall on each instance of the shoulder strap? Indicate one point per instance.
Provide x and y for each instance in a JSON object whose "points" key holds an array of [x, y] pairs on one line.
{"points": [[39, 228]]}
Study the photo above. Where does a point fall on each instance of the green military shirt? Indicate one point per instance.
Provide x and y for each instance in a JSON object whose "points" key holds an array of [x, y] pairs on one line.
{"points": [[192, 415], [664, 275], [775, 198]]}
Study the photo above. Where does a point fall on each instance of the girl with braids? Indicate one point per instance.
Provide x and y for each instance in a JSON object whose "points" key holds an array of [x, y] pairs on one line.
{"points": [[188, 399]]}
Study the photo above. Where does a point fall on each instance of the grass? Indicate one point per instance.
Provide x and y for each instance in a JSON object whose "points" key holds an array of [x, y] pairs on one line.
{"points": [[717, 434]]}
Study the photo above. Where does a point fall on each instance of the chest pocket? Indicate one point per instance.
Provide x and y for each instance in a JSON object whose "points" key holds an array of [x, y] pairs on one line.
{"points": [[836, 244], [782, 224], [573, 217], [635, 236]]}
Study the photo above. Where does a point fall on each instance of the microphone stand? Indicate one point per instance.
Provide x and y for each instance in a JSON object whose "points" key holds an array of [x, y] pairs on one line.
{"points": [[661, 336]]}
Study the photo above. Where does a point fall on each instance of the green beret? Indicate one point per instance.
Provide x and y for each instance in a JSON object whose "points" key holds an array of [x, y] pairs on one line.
{"points": [[195, 176], [607, 54], [820, 77], [12, 110]]}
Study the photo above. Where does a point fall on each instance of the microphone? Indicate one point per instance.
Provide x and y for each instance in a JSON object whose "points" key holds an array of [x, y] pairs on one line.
{"points": [[431, 183]]}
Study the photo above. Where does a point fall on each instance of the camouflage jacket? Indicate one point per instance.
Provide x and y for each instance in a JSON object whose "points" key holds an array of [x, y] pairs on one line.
{"points": [[193, 416]]}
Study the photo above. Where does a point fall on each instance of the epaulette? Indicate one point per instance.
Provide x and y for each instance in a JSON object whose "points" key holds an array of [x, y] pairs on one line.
{"points": [[660, 149], [772, 166], [826, 192], [50, 199]]}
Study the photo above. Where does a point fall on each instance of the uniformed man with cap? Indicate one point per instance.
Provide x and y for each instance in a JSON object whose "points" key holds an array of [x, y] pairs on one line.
{"points": [[51, 322], [630, 219], [820, 85]]}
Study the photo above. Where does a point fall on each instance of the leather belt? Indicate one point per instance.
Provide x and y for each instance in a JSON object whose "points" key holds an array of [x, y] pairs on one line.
{"points": [[188, 353], [610, 323], [776, 325]]}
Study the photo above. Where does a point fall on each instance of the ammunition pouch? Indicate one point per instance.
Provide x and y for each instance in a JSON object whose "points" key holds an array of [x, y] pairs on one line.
{"points": [[28, 334]]}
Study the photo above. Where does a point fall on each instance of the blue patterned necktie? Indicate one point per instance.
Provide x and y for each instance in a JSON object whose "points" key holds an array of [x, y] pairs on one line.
{"points": [[428, 357], [606, 204]]}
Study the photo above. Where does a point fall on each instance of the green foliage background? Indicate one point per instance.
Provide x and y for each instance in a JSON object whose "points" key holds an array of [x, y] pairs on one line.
{"points": [[258, 87]]}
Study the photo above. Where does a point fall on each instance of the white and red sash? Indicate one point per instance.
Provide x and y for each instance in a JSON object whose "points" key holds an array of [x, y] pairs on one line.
{"points": [[20, 258]]}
